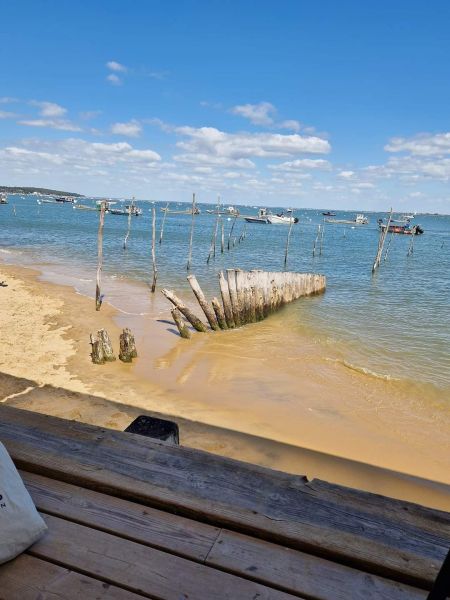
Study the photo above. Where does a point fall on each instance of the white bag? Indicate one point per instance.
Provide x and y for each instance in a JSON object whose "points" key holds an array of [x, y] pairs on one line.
{"points": [[20, 523]]}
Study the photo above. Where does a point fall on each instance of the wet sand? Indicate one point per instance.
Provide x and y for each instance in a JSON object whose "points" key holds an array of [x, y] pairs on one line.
{"points": [[255, 393]]}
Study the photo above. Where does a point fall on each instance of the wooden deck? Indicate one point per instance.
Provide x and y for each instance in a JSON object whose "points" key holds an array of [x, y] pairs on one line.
{"points": [[131, 518]]}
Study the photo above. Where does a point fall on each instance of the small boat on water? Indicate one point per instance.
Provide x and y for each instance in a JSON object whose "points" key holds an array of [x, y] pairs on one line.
{"points": [[84, 207], [3, 199], [181, 212], [230, 211], [262, 217], [360, 219], [404, 229], [65, 199], [130, 208], [329, 214], [284, 218]]}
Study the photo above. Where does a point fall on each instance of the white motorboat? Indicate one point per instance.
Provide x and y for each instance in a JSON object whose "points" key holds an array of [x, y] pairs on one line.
{"points": [[262, 217], [282, 218]]}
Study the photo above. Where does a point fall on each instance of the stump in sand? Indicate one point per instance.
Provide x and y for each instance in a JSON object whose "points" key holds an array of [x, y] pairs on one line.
{"points": [[127, 346], [98, 358], [107, 348]]}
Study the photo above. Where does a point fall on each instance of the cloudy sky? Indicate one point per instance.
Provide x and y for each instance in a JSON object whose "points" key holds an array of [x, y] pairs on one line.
{"points": [[313, 104]]}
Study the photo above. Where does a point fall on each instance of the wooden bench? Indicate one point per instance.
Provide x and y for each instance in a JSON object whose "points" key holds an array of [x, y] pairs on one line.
{"points": [[131, 518]]}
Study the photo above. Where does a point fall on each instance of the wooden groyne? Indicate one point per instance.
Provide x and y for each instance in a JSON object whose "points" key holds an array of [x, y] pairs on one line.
{"points": [[247, 296]]}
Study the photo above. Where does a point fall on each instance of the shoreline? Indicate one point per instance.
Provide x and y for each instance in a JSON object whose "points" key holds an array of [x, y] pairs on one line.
{"points": [[173, 378]]}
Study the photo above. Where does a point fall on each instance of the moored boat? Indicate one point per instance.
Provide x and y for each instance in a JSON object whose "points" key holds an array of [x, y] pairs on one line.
{"points": [[181, 212], [231, 211], [262, 217], [404, 229], [329, 214], [283, 218], [3, 199], [360, 219]]}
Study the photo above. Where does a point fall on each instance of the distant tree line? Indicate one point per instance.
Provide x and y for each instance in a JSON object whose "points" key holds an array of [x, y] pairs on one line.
{"points": [[30, 190]]}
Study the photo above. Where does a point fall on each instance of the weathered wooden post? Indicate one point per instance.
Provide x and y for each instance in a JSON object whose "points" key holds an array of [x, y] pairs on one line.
{"points": [[181, 325], [106, 344], [127, 346], [231, 230], [411, 243], [231, 278], [225, 293], [383, 234], [190, 316], [188, 266], [162, 224], [97, 355], [316, 240], [220, 315], [212, 249], [322, 233], [130, 210], [155, 270], [198, 292], [98, 296], [291, 222], [391, 239], [222, 241]]}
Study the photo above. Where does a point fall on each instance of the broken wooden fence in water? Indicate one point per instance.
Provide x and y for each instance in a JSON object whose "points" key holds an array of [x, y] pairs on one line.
{"points": [[247, 297]]}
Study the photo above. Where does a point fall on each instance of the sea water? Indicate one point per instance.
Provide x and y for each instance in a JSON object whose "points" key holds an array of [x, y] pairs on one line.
{"points": [[393, 324]]}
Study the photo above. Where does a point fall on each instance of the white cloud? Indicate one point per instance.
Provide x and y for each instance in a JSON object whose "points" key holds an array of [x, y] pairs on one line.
{"points": [[131, 129], [114, 79], [114, 160], [230, 149], [60, 124], [7, 100], [4, 114], [112, 65], [346, 174], [88, 115], [290, 124], [302, 163], [258, 114], [49, 109], [423, 144]]}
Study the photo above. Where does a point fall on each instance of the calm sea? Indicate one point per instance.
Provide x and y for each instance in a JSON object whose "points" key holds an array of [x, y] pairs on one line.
{"points": [[395, 324]]}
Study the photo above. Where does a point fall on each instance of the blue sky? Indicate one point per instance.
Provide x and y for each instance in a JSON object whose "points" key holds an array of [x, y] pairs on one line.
{"points": [[326, 104]]}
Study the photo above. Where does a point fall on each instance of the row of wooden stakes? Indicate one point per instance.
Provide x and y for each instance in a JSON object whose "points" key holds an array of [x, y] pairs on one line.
{"points": [[102, 350], [247, 297]]}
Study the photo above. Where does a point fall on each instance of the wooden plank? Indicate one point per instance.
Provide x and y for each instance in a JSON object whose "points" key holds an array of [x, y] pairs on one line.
{"points": [[286, 569], [272, 505], [29, 578], [141, 569], [300, 573], [130, 520]]}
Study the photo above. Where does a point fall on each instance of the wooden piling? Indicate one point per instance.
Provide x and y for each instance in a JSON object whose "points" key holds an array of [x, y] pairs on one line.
{"points": [[231, 279], [155, 270], [127, 346], [97, 355], [231, 230], [190, 316], [222, 240], [220, 315], [209, 312], [291, 222], [212, 248], [181, 325], [411, 243], [161, 233], [322, 233], [98, 295], [227, 307], [106, 344], [381, 240], [130, 210], [316, 240], [188, 266]]}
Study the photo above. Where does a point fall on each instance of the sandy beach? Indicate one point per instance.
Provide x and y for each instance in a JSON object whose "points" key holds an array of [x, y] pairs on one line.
{"points": [[329, 421]]}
